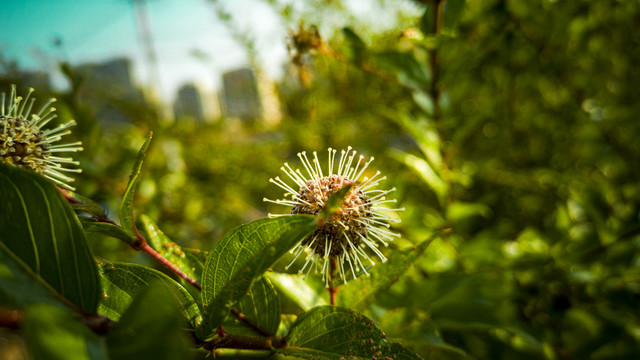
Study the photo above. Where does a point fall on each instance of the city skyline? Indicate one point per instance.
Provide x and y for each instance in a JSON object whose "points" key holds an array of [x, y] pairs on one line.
{"points": [[92, 32]]}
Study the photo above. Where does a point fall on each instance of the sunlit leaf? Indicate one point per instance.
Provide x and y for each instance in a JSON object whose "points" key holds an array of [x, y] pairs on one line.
{"points": [[425, 171], [126, 206], [187, 261], [46, 237], [190, 261], [333, 332], [359, 293], [242, 255], [404, 67], [294, 287]]}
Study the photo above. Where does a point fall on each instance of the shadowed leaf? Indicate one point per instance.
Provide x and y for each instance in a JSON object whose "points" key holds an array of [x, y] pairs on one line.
{"points": [[124, 282], [46, 238], [52, 333]]}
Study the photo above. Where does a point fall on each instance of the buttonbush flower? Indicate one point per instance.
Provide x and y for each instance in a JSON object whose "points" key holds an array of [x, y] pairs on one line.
{"points": [[25, 143], [359, 226]]}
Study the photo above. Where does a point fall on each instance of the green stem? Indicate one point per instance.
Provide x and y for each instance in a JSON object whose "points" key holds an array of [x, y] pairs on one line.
{"points": [[332, 274]]}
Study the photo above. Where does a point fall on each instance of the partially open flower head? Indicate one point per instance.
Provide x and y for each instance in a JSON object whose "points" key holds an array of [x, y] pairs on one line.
{"points": [[25, 143], [356, 230]]}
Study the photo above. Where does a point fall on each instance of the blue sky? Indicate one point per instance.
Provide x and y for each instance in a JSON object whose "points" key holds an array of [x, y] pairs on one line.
{"points": [[97, 30]]}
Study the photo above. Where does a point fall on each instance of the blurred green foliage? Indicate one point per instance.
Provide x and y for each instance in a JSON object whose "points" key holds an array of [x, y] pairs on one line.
{"points": [[513, 123]]}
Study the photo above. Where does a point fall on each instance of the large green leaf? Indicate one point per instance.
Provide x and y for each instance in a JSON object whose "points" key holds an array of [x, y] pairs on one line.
{"points": [[20, 286], [333, 332], [357, 48], [123, 282], [261, 306], [126, 206], [40, 231], [151, 328], [451, 13], [188, 261], [242, 255], [52, 333], [360, 292]]}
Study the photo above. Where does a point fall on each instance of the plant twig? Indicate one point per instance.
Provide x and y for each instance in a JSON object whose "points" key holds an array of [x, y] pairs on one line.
{"points": [[169, 265], [250, 323], [14, 318], [332, 274], [144, 246], [11, 318], [232, 341]]}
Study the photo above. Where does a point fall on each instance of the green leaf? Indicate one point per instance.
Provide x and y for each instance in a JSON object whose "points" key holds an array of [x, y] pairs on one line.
{"points": [[435, 289], [418, 330], [93, 227], [357, 47], [242, 255], [424, 134], [427, 21], [123, 282], [261, 306], [46, 237], [404, 67], [126, 206], [297, 289], [82, 203], [425, 170], [151, 328], [332, 332], [359, 293], [20, 286], [190, 262], [451, 13], [52, 333]]}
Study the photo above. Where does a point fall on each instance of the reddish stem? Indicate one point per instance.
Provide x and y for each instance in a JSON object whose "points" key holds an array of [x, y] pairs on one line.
{"points": [[174, 269], [141, 244], [244, 319]]}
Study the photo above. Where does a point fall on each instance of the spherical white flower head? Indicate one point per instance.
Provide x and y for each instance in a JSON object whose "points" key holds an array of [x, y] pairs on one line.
{"points": [[359, 226], [24, 142]]}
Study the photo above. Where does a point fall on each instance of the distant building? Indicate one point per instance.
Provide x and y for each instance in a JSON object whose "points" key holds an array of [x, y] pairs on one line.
{"points": [[241, 98], [108, 89], [188, 103], [249, 97]]}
